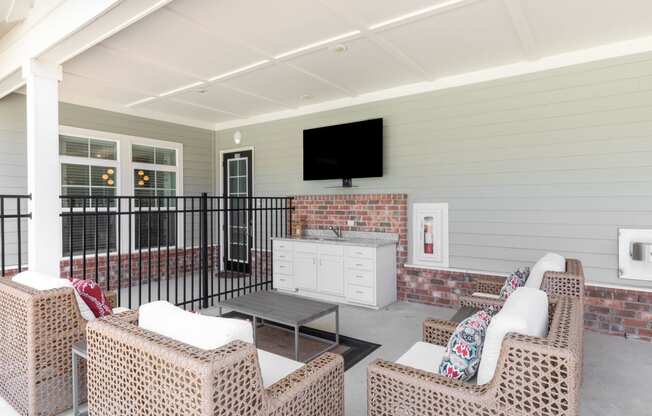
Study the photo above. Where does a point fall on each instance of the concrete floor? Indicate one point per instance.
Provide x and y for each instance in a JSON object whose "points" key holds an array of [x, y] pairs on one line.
{"points": [[617, 371]]}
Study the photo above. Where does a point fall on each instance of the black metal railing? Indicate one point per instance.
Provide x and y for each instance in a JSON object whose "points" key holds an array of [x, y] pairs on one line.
{"points": [[13, 228], [189, 250]]}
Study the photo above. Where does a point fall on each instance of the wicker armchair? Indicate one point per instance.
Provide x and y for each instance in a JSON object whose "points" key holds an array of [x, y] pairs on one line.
{"points": [[569, 283], [136, 372], [534, 376], [37, 330]]}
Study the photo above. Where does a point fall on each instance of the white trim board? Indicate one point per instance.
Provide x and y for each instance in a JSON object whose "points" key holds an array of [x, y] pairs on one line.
{"points": [[582, 56]]}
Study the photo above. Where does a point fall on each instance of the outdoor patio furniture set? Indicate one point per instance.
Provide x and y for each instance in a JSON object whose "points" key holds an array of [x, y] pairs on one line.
{"points": [[155, 361]]}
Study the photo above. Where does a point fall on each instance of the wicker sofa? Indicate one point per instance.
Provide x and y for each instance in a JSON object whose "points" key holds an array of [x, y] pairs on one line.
{"points": [[37, 330], [569, 283], [534, 375], [132, 371]]}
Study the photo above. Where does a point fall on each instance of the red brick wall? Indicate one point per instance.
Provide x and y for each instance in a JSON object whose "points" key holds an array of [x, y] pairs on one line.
{"points": [[619, 312], [381, 213], [612, 311]]}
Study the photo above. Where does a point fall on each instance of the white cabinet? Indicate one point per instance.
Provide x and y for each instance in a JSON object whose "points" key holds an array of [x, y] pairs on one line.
{"points": [[305, 271], [331, 275], [344, 273]]}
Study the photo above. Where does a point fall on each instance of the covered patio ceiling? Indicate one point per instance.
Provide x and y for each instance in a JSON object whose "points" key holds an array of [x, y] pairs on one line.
{"points": [[218, 64]]}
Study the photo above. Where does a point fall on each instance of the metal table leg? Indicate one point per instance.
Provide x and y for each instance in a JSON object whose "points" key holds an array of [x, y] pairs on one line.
{"points": [[296, 343], [253, 322], [337, 326], [75, 385]]}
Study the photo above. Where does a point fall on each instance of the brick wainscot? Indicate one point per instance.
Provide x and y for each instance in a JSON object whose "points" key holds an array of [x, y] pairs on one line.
{"points": [[608, 310]]}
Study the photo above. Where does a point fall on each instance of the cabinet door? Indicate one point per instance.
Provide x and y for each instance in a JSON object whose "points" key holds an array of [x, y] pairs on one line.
{"points": [[331, 275], [305, 271]]}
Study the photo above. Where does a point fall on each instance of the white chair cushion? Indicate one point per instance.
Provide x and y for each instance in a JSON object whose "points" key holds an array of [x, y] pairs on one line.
{"points": [[551, 262], [486, 295], [525, 312], [201, 331], [423, 356], [210, 332], [40, 281], [274, 367]]}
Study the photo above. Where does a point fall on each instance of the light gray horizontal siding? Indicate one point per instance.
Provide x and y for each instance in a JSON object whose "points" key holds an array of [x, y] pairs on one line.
{"points": [[553, 161], [198, 148]]}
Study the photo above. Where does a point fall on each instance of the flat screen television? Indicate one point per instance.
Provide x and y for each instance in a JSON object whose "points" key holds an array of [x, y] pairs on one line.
{"points": [[344, 151]]}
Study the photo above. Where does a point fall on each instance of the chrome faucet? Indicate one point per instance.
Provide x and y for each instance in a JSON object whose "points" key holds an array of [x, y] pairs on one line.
{"points": [[336, 230]]}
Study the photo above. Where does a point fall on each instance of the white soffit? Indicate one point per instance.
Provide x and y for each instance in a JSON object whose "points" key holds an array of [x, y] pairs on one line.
{"points": [[238, 62]]}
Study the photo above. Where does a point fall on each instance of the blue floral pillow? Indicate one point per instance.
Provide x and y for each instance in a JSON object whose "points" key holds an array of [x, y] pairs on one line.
{"points": [[514, 281], [462, 357]]}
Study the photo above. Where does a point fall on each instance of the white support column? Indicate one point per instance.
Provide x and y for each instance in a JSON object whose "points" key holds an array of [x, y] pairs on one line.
{"points": [[43, 172]]}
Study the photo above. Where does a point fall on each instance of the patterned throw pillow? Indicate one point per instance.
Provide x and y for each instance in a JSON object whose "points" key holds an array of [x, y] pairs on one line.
{"points": [[462, 357], [514, 281], [92, 294]]}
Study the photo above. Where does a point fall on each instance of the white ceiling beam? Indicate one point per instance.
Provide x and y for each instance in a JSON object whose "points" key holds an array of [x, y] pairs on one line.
{"points": [[137, 112], [522, 27], [205, 107], [273, 59], [582, 56], [392, 50], [71, 28], [18, 10], [433, 10], [323, 80]]}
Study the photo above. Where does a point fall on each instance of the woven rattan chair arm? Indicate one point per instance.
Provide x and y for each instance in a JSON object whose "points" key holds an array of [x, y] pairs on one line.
{"points": [[326, 368], [479, 302], [436, 331], [490, 286], [130, 316], [406, 391], [563, 284]]}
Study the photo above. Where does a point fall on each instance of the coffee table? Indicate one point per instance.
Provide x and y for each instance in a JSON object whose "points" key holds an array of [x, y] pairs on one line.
{"points": [[293, 311]]}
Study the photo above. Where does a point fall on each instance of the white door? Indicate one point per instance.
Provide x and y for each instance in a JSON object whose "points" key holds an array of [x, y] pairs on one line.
{"points": [[305, 271], [331, 275]]}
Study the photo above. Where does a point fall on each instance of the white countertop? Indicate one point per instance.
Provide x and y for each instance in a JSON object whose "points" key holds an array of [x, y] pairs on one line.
{"points": [[344, 241]]}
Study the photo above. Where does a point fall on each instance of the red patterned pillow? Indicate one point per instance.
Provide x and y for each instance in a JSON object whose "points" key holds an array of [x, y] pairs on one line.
{"points": [[92, 294]]}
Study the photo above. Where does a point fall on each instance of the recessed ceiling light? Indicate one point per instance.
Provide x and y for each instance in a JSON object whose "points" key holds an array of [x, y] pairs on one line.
{"points": [[306, 97], [318, 44], [339, 48]]}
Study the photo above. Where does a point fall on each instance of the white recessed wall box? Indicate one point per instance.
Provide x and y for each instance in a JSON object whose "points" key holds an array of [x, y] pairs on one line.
{"points": [[635, 254]]}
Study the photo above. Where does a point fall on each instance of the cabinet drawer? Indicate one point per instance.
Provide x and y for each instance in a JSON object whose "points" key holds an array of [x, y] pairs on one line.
{"points": [[282, 245], [305, 248], [282, 255], [360, 252], [283, 282], [282, 267], [359, 264], [331, 250], [359, 277], [360, 294]]}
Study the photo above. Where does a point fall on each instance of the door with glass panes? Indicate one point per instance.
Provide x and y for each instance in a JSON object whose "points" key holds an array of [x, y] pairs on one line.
{"points": [[237, 177]]}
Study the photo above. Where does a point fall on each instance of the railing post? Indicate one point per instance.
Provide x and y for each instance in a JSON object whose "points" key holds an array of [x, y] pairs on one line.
{"points": [[204, 248]]}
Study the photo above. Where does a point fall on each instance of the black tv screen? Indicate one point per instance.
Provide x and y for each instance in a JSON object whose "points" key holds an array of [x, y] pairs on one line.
{"points": [[344, 151]]}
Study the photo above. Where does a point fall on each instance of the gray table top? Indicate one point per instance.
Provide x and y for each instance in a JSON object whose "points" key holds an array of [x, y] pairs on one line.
{"points": [[278, 307]]}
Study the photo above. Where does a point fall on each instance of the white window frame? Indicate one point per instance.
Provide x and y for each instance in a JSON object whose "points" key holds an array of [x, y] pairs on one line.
{"points": [[125, 168]]}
